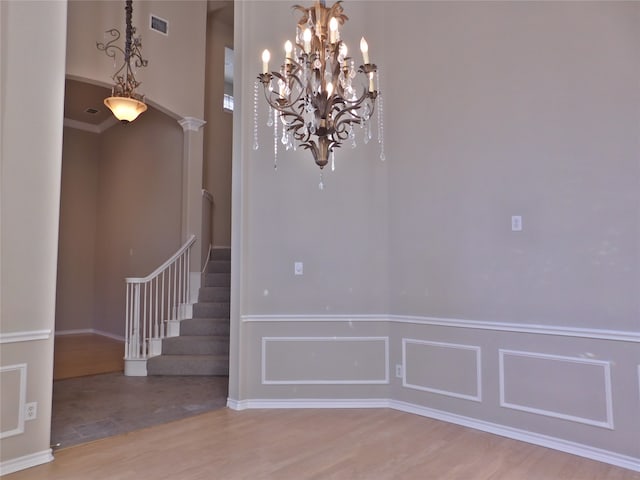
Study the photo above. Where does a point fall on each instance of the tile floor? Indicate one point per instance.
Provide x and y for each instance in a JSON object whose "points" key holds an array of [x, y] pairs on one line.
{"points": [[98, 406]]}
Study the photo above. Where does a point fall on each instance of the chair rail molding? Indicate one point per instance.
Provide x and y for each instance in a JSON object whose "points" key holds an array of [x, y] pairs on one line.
{"points": [[538, 329], [25, 336]]}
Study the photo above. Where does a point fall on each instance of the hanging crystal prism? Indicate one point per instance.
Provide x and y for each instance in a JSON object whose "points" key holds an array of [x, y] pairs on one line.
{"points": [[255, 116], [333, 160], [321, 184], [366, 116], [383, 157], [367, 132], [352, 137], [270, 117], [275, 139]]}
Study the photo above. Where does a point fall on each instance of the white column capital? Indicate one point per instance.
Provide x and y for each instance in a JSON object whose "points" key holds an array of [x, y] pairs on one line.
{"points": [[191, 124]]}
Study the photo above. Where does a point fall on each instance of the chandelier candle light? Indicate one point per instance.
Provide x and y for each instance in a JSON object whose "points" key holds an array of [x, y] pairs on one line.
{"points": [[313, 94], [124, 102]]}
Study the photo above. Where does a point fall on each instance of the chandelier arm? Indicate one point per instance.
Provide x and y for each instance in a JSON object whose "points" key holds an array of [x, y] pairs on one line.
{"points": [[110, 48], [272, 100], [341, 132], [283, 78], [353, 107], [298, 120], [295, 126]]}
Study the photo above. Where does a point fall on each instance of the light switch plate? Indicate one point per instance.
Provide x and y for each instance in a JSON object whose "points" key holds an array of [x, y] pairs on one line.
{"points": [[516, 223]]}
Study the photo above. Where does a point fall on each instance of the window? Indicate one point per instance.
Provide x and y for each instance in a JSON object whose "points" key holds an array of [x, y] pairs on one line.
{"points": [[227, 100]]}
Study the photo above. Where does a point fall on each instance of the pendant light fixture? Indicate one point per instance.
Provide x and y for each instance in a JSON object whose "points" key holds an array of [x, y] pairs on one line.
{"points": [[124, 102]]}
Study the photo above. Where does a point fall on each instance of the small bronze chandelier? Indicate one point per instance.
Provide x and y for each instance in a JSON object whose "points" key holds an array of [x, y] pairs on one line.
{"points": [[124, 102], [314, 95]]}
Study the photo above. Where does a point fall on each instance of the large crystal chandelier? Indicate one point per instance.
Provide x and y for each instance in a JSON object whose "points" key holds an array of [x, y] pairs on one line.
{"points": [[315, 95], [124, 102]]}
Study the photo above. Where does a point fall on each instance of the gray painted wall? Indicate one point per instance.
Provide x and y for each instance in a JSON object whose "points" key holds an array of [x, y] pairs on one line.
{"points": [[31, 151], [491, 110], [120, 216]]}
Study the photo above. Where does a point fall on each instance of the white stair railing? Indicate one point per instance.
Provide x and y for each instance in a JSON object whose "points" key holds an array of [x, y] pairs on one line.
{"points": [[152, 302]]}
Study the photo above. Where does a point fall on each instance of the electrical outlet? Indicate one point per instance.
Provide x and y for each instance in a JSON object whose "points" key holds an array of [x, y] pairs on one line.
{"points": [[399, 371], [31, 411], [516, 223]]}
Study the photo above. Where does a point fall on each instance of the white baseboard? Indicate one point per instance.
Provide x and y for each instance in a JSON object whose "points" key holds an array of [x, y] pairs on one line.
{"points": [[135, 367], [307, 403], [554, 443], [586, 451], [28, 461], [86, 331]]}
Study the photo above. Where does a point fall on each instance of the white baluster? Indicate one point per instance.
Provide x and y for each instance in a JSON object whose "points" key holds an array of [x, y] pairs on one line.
{"points": [[135, 350], [188, 276], [162, 301], [175, 291], [127, 321], [179, 291], [143, 342], [146, 299], [158, 328], [183, 260]]}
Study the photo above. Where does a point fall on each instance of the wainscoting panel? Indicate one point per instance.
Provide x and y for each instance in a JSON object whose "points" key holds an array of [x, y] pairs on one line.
{"points": [[447, 369], [13, 398], [570, 388], [325, 360], [553, 386]]}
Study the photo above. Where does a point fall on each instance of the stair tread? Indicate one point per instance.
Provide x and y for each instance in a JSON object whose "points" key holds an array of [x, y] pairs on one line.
{"points": [[186, 356], [202, 346], [206, 319], [200, 337], [221, 253]]}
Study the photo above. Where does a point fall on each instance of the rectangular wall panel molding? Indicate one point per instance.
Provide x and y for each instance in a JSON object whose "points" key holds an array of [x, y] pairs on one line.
{"points": [[447, 369], [570, 388], [325, 360], [13, 398]]}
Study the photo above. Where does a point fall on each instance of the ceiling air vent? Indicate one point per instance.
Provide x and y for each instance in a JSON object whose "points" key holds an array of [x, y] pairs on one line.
{"points": [[159, 25], [91, 111]]}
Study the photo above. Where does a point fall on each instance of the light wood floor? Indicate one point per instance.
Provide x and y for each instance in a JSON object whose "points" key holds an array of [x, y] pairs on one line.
{"points": [[315, 444], [86, 354]]}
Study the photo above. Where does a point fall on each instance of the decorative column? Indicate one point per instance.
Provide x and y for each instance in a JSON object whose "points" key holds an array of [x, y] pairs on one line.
{"points": [[192, 156]]}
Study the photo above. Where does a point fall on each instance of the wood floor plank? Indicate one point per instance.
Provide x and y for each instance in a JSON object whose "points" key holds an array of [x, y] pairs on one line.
{"points": [[315, 444], [86, 354]]}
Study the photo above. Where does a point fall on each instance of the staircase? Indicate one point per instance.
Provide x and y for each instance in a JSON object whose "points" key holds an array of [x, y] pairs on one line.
{"points": [[202, 348]]}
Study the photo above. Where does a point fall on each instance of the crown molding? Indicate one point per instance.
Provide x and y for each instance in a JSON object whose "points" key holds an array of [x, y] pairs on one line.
{"points": [[90, 127]]}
